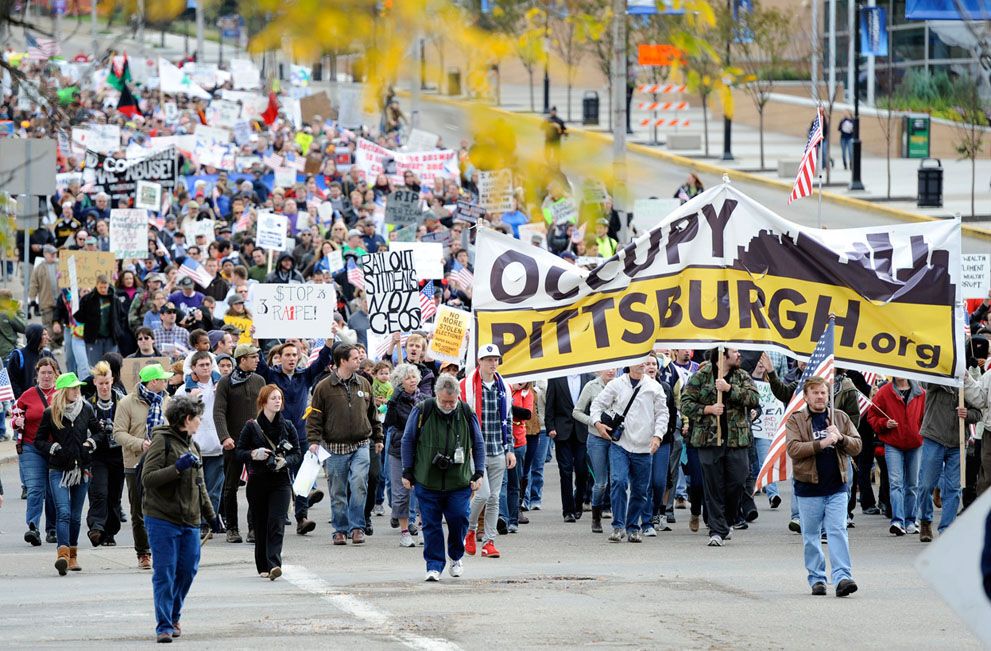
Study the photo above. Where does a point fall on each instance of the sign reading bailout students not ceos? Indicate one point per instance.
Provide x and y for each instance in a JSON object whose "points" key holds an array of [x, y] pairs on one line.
{"points": [[392, 291], [119, 177], [295, 310], [129, 233], [724, 269]]}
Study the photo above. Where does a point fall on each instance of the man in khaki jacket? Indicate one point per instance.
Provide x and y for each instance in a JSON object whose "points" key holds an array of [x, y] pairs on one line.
{"points": [[43, 285], [820, 445]]}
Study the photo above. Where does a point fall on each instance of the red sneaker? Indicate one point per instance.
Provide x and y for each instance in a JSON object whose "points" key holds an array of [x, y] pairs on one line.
{"points": [[489, 550], [470, 543]]}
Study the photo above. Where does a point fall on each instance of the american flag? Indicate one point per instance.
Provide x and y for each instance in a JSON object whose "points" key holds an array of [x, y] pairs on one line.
{"points": [[807, 168], [865, 401], [6, 390], [355, 275], [461, 275], [777, 464], [42, 48], [195, 270], [383, 347], [315, 350], [428, 309]]}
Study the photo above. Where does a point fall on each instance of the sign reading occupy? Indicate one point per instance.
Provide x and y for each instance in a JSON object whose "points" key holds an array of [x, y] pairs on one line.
{"points": [[304, 311], [392, 291], [724, 270], [119, 177]]}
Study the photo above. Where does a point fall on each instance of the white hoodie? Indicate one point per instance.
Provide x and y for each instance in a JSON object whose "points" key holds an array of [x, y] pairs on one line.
{"points": [[648, 416]]}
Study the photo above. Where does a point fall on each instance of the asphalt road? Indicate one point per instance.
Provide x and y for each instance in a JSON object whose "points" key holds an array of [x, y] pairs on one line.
{"points": [[556, 584]]}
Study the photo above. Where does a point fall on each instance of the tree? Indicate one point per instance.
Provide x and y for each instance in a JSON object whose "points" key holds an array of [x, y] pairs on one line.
{"points": [[574, 27], [762, 38], [970, 132], [529, 46]]}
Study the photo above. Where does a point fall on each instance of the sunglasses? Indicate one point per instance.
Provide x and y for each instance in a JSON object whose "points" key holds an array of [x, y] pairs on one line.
{"points": [[146, 337]]}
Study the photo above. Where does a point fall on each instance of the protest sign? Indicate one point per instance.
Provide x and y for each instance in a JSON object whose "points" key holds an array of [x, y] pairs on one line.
{"points": [[223, 112], [244, 74], [406, 234], [171, 111], [468, 211], [771, 412], [63, 180], [148, 195], [495, 191], [101, 138], [271, 231], [119, 177], [374, 159], [724, 270], [129, 233], [313, 105], [349, 110], [211, 135], [304, 311], [131, 368], [403, 208], [648, 213], [976, 275], [242, 132], [392, 291], [304, 140], [535, 234], [89, 265], [562, 211], [325, 212], [449, 334], [335, 261], [441, 236], [285, 177], [73, 283], [220, 156], [420, 140], [594, 191], [428, 258]]}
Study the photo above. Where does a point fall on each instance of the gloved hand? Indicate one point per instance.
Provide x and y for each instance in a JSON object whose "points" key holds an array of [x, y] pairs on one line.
{"points": [[280, 463], [185, 462], [89, 444], [260, 454], [52, 451]]}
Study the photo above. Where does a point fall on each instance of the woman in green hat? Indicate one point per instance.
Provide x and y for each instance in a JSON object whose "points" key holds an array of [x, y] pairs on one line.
{"points": [[66, 438]]}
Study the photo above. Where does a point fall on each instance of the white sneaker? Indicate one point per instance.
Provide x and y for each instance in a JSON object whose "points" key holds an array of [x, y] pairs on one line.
{"points": [[911, 528], [650, 532], [715, 541], [457, 568], [432, 576], [406, 540], [378, 510]]}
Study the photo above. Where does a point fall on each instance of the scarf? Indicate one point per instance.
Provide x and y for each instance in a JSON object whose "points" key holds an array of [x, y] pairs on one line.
{"points": [[154, 402], [238, 376], [473, 396], [72, 477], [72, 410]]}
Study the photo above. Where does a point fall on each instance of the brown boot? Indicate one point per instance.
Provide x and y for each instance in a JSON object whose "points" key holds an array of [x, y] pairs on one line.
{"points": [[937, 498], [73, 562], [926, 531], [144, 561], [62, 560]]}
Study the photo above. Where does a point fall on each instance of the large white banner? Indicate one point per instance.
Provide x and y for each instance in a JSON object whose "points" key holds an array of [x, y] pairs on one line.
{"points": [[374, 159]]}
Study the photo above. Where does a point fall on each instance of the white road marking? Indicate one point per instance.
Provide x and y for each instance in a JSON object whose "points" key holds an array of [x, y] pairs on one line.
{"points": [[307, 581]]}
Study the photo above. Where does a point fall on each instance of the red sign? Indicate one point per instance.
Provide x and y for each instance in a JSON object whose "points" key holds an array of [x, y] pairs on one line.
{"points": [[658, 55]]}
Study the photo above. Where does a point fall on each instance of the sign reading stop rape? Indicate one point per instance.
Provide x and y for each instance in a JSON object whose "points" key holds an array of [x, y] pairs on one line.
{"points": [[304, 311], [392, 291]]}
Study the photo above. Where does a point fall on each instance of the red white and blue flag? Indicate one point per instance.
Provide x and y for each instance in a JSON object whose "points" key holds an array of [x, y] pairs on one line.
{"points": [[6, 390], [807, 168], [777, 463], [355, 275], [461, 275], [428, 309], [42, 48], [315, 350], [196, 271]]}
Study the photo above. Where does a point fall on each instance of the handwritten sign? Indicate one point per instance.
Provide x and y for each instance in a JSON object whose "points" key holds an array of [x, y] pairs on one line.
{"points": [[393, 292], [89, 265], [373, 159], [428, 258], [495, 190], [148, 196], [403, 208], [285, 177], [131, 368], [129, 233], [282, 311], [772, 411], [450, 331], [468, 211], [976, 276], [420, 140], [272, 231]]}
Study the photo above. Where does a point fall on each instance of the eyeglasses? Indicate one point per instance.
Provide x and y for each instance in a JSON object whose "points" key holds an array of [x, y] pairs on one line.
{"points": [[140, 337]]}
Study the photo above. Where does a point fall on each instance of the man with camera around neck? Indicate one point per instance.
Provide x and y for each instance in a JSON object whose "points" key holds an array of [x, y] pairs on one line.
{"points": [[632, 412], [443, 457], [343, 419]]}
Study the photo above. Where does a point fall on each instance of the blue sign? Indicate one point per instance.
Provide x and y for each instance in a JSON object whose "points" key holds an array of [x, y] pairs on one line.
{"points": [[58, 7], [947, 10], [651, 7], [873, 32], [741, 12]]}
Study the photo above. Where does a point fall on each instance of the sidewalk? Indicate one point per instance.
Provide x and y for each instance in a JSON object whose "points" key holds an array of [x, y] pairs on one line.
{"points": [[746, 152]]}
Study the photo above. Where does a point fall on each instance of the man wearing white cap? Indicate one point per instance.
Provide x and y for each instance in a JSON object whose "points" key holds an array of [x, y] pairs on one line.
{"points": [[488, 394]]}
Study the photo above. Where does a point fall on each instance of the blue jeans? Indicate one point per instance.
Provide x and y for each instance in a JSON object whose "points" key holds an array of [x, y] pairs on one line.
{"points": [[631, 471], [903, 482], [657, 483], [509, 499], [68, 507], [598, 459], [34, 467], [535, 487], [763, 446], [827, 513], [175, 553], [348, 473], [213, 476], [79, 357], [939, 460], [452, 506]]}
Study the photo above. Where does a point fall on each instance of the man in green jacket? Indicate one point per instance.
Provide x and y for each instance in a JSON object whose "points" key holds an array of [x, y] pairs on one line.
{"points": [[721, 432]]}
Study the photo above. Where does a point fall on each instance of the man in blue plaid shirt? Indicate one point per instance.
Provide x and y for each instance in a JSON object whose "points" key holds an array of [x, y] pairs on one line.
{"points": [[171, 339]]}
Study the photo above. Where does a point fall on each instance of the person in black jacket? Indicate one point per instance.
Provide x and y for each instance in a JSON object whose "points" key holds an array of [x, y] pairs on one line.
{"points": [[22, 361], [406, 379], [270, 448], [569, 441], [96, 314], [66, 437], [107, 480]]}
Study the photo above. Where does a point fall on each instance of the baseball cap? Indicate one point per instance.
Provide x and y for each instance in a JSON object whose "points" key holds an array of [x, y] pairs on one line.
{"points": [[185, 281], [244, 349], [154, 372], [489, 350], [170, 307], [234, 299]]}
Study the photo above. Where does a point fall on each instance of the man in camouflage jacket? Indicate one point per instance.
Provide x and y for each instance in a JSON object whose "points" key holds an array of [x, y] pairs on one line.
{"points": [[725, 458]]}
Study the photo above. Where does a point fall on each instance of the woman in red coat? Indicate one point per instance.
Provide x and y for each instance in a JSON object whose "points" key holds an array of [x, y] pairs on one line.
{"points": [[25, 418]]}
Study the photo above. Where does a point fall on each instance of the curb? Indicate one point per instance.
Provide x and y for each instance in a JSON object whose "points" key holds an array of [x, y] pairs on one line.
{"points": [[711, 168], [8, 458]]}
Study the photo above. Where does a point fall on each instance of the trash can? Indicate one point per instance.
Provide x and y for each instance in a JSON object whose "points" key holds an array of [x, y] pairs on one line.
{"points": [[930, 184], [453, 82], [915, 136], [590, 107]]}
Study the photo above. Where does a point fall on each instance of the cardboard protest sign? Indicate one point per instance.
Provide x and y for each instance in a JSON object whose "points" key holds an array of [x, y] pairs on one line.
{"points": [[89, 265], [223, 113], [305, 311], [495, 190], [131, 368], [129, 233], [271, 231], [402, 208], [316, 104], [119, 177], [420, 140], [976, 277], [392, 291], [373, 159], [428, 258], [450, 331], [242, 132], [148, 196]]}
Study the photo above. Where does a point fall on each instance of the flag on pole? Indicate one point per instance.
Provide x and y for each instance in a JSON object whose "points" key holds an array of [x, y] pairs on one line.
{"points": [[6, 390], [863, 402], [355, 275], [777, 463], [428, 309], [315, 350], [271, 111], [807, 168], [120, 72], [461, 275], [174, 81], [195, 270], [42, 48], [128, 103]]}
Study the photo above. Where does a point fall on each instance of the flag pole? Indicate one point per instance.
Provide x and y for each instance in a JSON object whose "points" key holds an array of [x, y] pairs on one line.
{"points": [[963, 435], [823, 164], [832, 322], [719, 398]]}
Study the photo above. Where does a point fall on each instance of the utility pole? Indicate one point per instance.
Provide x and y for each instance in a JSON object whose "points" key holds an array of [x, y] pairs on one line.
{"points": [[618, 102], [832, 50], [547, 54], [855, 182], [200, 52], [728, 121], [815, 50]]}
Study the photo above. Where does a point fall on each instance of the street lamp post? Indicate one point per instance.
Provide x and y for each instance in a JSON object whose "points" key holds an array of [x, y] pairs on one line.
{"points": [[547, 54], [728, 121], [855, 182]]}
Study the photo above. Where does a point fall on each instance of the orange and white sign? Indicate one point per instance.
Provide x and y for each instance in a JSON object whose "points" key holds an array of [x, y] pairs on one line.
{"points": [[658, 54]]}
